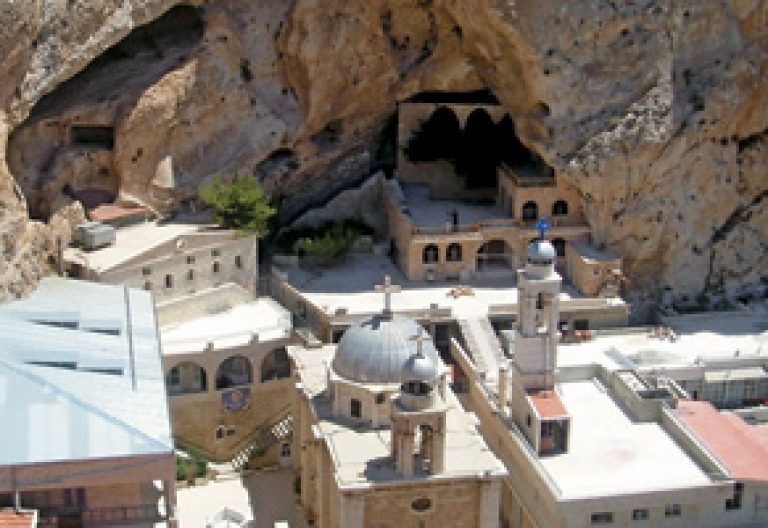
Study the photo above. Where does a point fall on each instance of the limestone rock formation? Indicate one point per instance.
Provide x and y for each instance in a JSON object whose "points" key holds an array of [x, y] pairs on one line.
{"points": [[654, 109]]}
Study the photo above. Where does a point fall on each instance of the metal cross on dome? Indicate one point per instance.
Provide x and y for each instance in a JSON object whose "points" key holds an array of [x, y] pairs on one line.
{"points": [[420, 337], [388, 289], [543, 226]]}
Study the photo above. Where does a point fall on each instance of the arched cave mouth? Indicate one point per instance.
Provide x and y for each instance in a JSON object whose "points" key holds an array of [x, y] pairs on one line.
{"points": [[77, 119], [131, 65], [475, 150]]}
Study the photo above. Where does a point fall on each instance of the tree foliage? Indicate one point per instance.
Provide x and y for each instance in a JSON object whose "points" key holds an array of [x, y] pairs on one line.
{"points": [[240, 204]]}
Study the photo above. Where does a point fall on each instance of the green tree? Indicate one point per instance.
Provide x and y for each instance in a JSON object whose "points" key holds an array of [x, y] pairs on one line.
{"points": [[240, 204]]}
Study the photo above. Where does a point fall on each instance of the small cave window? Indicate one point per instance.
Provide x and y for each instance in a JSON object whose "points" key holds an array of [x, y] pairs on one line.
{"points": [[92, 137]]}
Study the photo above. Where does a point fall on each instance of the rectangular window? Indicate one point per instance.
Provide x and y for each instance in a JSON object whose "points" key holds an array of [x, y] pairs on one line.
{"points": [[672, 510], [355, 408], [216, 267], [238, 262], [640, 514], [215, 253], [190, 259], [146, 271], [602, 518]]}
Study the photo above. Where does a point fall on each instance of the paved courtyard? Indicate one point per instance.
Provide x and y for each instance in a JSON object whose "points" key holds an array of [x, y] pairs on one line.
{"points": [[265, 497]]}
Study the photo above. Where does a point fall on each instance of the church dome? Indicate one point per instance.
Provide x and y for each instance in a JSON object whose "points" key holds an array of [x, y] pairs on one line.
{"points": [[541, 250], [419, 368], [377, 349]]}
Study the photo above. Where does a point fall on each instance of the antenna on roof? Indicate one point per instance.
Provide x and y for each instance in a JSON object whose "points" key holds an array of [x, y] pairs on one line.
{"points": [[129, 336]]}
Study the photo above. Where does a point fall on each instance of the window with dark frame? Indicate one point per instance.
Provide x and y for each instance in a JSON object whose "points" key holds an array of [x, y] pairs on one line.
{"points": [[602, 518]]}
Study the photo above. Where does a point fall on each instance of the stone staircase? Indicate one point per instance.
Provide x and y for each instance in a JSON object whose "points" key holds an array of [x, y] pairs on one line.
{"points": [[278, 431], [484, 347]]}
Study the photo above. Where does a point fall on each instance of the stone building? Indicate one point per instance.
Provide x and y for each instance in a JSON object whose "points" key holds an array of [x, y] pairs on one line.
{"points": [[227, 372], [86, 435], [457, 221], [381, 440], [171, 259], [590, 440]]}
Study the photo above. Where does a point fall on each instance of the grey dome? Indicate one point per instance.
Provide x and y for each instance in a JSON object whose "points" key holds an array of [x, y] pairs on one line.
{"points": [[419, 368], [376, 350], [541, 250]]}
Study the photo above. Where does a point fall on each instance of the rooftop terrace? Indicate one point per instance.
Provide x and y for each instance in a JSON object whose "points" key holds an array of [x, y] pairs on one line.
{"points": [[263, 318], [351, 285], [609, 454]]}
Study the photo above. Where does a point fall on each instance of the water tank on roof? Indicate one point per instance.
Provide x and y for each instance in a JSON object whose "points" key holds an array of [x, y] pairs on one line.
{"points": [[93, 235]]}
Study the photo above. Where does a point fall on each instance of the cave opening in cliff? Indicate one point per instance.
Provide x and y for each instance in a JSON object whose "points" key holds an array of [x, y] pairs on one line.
{"points": [[92, 137], [131, 65], [475, 150], [71, 130]]}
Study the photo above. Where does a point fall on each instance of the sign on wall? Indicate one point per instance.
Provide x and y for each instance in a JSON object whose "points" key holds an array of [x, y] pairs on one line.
{"points": [[236, 399]]}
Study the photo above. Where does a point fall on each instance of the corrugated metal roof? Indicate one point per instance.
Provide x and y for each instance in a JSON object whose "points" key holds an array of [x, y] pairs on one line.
{"points": [[53, 406]]}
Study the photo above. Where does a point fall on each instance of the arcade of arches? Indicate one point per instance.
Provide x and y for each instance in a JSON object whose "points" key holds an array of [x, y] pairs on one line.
{"points": [[476, 150]]}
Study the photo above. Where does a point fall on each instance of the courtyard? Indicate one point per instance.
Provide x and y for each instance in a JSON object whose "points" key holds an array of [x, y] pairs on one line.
{"points": [[265, 497]]}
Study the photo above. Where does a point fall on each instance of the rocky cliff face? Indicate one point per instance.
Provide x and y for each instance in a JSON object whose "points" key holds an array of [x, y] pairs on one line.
{"points": [[654, 109]]}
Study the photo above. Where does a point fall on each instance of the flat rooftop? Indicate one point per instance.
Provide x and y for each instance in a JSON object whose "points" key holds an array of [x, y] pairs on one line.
{"points": [[362, 456], [351, 285], [264, 318], [137, 239], [67, 379], [427, 212], [609, 454], [711, 337]]}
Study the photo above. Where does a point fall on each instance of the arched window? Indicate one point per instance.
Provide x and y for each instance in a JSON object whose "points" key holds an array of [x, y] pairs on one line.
{"points": [[560, 208], [234, 371], [186, 378], [530, 211], [454, 253], [430, 254], [275, 365]]}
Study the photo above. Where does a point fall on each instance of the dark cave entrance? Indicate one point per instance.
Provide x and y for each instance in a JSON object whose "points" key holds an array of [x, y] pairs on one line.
{"points": [[71, 154], [475, 150], [133, 64], [92, 137]]}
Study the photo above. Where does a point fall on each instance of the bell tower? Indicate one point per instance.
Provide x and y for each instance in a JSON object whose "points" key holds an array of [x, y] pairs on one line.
{"points": [[418, 417], [536, 333]]}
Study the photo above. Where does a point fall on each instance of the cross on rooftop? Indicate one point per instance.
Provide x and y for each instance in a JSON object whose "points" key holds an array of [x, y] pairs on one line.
{"points": [[388, 289], [543, 226], [420, 337]]}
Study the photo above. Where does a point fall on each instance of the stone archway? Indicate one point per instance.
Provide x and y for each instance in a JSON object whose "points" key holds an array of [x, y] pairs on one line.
{"points": [[186, 377], [275, 365], [233, 372], [494, 256]]}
